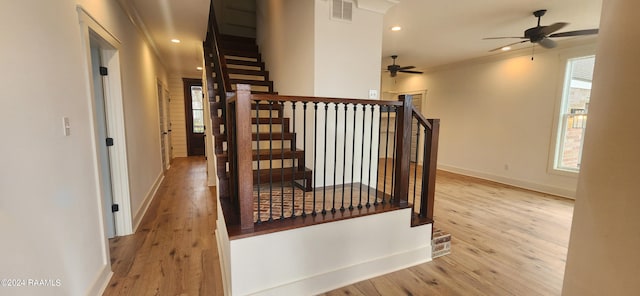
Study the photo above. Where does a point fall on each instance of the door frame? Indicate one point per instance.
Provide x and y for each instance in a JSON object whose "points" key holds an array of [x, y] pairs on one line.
{"points": [[187, 83], [114, 109]]}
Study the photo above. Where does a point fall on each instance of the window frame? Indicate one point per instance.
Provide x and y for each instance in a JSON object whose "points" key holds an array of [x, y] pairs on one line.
{"points": [[556, 132]]}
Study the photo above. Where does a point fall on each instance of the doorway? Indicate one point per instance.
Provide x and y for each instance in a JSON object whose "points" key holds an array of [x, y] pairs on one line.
{"points": [[106, 185], [165, 126], [104, 95], [194, 116]]}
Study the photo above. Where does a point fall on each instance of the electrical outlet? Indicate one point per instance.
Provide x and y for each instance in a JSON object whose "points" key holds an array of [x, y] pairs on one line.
{"points": [[373, 94], [66, 126]]}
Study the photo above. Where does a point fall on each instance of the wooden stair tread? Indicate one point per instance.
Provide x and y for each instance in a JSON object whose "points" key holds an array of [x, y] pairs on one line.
{"points": [[241, 53], [244, 63], [227, 44], [248, 72], [278, 174], [251, 82], [274, 136], [240, 39], [263, 154]]}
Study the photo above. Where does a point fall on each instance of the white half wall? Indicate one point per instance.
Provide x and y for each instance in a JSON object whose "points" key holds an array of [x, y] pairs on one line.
{"points": [[315, 259], [497, 116]]}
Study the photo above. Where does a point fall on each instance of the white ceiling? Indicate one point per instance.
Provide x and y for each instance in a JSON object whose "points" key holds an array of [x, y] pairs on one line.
{"points": [[434, 33], [163, 20]]}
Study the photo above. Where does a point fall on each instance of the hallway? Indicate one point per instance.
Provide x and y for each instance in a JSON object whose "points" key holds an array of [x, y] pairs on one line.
{"points": [[174, 250]]}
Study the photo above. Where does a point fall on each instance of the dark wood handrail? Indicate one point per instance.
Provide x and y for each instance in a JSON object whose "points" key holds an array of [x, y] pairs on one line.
{"points": [[223, 81], [278, 98], [421, 119]]}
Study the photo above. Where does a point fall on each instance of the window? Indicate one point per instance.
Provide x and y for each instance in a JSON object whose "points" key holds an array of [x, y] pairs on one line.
{"points": [[198, 109], [573, 113]]}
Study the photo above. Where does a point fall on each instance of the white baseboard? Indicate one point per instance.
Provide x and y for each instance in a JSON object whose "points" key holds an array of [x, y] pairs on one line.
{"points": [[101, 282], [147, 201], [563, 192], [328, 281]]}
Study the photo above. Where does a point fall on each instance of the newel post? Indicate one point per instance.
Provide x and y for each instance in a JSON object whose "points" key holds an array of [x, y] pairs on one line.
{"points": [[243, 155], [429, 167], [403, 150]]}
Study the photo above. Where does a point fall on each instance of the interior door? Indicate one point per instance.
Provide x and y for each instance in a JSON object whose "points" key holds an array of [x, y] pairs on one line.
{"points": [[164, 134], [102, 134], [194, 116], [167, 99]]}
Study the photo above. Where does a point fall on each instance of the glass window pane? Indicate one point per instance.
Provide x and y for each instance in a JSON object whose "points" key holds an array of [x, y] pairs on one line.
{"points": [[575, 107], [198, 121], [196, 97]]}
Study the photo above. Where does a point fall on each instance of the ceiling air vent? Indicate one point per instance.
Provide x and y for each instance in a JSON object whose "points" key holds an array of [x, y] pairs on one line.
{"points": [[342, 10]]}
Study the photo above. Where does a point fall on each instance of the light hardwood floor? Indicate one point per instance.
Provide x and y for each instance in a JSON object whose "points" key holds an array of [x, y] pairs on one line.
{"points": [[174, 250], [506, 241]]}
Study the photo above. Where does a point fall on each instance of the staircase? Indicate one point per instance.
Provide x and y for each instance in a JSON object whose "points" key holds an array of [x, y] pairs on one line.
{"points": [[274, 157]]}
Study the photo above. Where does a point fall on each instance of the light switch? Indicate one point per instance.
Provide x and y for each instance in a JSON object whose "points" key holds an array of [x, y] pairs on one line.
{"points": [[66, 126], [373, 94]]}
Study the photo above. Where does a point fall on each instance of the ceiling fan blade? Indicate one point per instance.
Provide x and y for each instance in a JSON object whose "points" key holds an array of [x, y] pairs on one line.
{"points": [[547, 43], [546, 30], [499, 48], [412, 72], [494, 38], [575, 33], [406, 68]]}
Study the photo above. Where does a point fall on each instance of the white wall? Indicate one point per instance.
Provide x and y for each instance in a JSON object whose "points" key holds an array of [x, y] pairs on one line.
{"points": [[310, 54], [347, 54], [50, 215], [603, 249], [285, 38], [178, 123], [497, 116]]}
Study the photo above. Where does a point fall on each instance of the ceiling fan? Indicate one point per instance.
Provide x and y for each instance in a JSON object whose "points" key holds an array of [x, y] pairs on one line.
{"points": [[541, 34], [394, 69]]}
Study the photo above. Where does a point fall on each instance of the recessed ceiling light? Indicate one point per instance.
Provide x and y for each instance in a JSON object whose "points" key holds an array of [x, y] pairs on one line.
{"points": [[199, 68], [506, 48], [175, 40], [396, 28]]}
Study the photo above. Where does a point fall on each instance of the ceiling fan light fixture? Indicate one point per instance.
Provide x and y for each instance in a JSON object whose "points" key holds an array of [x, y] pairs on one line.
{"points": [[175, 40], [396, 28]]}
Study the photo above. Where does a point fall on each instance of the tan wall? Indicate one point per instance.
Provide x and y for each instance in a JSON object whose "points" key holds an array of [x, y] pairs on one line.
{"points": [[178, 125], [603, 249]]}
